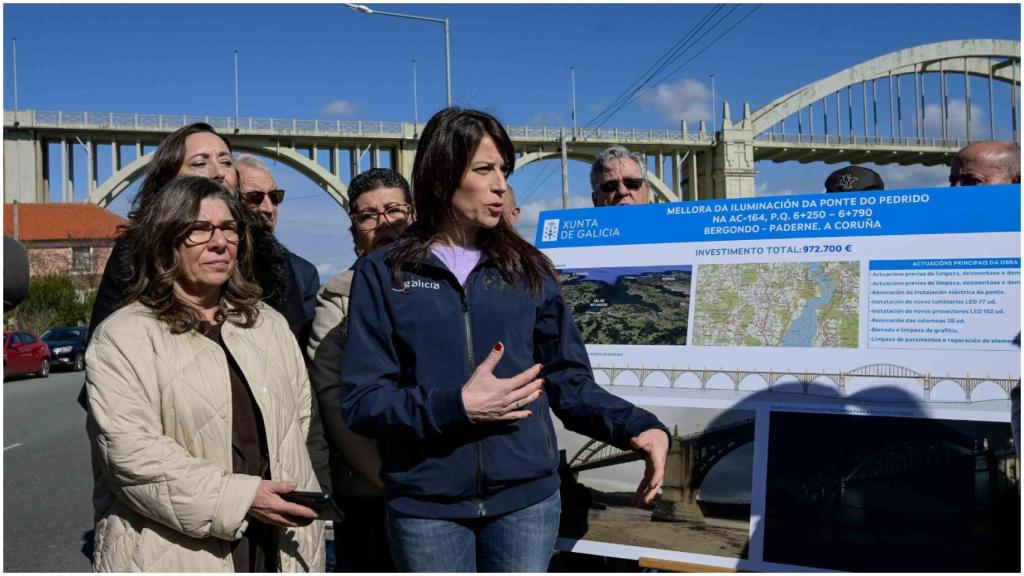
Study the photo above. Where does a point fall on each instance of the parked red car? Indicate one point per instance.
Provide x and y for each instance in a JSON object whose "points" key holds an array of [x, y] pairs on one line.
{"points": [[25, 354]]}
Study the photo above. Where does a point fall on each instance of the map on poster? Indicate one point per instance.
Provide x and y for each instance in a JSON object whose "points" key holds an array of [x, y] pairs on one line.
{"points": [[836, 370]]}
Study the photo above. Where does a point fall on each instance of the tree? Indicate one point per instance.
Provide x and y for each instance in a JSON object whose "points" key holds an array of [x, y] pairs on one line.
{"points": [[53, 300]]}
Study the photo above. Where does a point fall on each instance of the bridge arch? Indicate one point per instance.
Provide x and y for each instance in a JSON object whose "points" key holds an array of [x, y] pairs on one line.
{"points": [[947, 390], [905, 455], [662, 191], [110, 189], [924, 58]]}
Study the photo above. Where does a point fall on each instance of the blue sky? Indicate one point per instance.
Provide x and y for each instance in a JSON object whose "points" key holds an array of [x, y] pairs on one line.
{"points": [[326, 61]]}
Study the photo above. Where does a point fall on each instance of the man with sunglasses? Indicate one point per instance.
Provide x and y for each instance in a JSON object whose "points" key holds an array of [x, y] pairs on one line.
{"points": [[260, 193], [618, 178]]}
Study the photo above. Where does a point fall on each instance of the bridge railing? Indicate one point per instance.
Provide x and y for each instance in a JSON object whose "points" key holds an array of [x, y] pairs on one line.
{"points": [[861, 140], [167, 122], [605, 134], [316, 127]]}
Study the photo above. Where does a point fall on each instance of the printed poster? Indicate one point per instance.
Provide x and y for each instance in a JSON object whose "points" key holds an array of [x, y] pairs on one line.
{"points": [[836, 370]]}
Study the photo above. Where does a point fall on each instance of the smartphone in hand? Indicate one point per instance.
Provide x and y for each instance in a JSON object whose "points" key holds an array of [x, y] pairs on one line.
{"points": [[319, 502]]}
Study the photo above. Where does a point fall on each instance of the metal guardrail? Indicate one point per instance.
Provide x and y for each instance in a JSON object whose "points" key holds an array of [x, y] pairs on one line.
{"points": [[861, 140], [293, 126], [165, 122]]}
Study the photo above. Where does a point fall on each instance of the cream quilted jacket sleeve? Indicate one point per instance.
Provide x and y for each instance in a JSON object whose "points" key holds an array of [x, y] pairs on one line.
{"points": [[146, 468]]}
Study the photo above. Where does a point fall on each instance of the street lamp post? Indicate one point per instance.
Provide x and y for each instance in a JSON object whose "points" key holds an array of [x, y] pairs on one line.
{"points": [[415, 103], [236, 91], [572, 75], [14, 56], [714, 105], [447, 48]]}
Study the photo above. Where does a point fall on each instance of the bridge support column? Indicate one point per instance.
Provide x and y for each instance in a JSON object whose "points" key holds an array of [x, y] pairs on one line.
{"points": [[91, 169], [708, 190], [677, 175], [23, 168], [734, 171], [405, 158], [678, 500], [67, 170], [691, 176], [354, 161]]}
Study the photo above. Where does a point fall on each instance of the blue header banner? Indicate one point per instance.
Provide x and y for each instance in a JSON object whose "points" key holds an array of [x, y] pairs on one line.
{"points": [[944, 263], [872, 213]]}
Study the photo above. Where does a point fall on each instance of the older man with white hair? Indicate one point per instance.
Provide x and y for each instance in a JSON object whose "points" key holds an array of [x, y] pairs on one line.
{"points": [[260, 193]]}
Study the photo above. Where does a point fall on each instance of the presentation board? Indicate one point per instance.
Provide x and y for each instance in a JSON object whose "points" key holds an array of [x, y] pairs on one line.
{"points": [[836, 370]]}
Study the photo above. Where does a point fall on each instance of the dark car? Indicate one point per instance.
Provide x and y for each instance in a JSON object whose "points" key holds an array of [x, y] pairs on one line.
{"points": [[67, 347], [25, 354]]}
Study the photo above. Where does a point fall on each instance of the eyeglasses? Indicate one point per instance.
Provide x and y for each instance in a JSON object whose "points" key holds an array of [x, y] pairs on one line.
{"points": [[369, 219], [609, 186], [256, 198], [201, 232]]}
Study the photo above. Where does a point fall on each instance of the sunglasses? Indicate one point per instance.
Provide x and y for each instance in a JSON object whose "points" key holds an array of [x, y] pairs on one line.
{"points": [[609, 186], [256, 198]]}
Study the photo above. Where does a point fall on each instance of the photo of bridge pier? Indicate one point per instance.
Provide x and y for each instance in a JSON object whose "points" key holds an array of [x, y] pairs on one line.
{"points": [[704, 507], [858, 493]]}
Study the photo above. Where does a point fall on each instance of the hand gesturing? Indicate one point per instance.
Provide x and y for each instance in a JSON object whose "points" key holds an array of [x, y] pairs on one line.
{"points": [[491, 399]]}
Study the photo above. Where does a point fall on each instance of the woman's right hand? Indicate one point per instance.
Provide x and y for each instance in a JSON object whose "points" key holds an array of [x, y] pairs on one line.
{"points": [[270, 508], [487, 398]]}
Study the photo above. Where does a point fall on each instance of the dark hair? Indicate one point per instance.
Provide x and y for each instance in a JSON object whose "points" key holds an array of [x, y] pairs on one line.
{"points": [[271, 269], [446, 147], [166, 162], [156, 236], [371, 180]]}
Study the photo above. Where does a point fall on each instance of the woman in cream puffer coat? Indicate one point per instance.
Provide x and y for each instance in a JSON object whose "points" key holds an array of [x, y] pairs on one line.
{"points": [[160, 423]]}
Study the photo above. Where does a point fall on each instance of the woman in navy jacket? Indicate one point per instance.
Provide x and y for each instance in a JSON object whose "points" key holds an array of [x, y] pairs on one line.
{"points": [[459, 342]]}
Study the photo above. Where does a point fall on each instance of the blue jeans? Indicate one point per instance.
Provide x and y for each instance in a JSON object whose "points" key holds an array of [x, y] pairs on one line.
{"points": [[520, 541]]}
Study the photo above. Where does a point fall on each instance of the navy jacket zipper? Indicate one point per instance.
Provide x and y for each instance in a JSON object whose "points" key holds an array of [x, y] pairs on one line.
{"points": [[468, 325]]}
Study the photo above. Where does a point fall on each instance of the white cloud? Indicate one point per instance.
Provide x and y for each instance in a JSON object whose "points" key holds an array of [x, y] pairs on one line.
{"points": [[332, 268], [546, 119], [896, 176], [688, 100], [338, 108], [956, 125], [530, 213]]}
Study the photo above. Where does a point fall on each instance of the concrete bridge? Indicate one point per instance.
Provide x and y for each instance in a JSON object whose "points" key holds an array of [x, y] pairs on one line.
{"points": [[689, 460], [806, 125]]}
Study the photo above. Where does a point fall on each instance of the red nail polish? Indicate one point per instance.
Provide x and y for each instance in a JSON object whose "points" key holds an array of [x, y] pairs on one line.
{"points": [[541, 394], [498, 347]]}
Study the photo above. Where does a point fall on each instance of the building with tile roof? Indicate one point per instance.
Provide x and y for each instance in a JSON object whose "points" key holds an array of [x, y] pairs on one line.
{"points": [[64, 237]]}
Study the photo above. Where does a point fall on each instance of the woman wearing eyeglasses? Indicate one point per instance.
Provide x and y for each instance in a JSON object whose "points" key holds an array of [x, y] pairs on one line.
{"points": [[200, 404], [197, 150], [380, 205], [458, 344]]}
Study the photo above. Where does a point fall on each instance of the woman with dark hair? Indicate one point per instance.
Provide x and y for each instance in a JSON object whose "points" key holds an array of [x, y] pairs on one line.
{"points": [[199, 403], [380, 208], [458, 343], [196, 150]]}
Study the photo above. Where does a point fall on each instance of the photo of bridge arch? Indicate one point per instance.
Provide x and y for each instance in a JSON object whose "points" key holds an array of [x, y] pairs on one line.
{"points": [[704, 506]]}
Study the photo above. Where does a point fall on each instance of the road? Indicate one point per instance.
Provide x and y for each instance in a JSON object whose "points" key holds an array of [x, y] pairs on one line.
{"points": [[47, 478]]}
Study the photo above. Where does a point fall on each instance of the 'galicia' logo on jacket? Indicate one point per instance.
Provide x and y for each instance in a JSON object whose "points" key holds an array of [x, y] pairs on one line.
{"points": [[409, 284]]}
